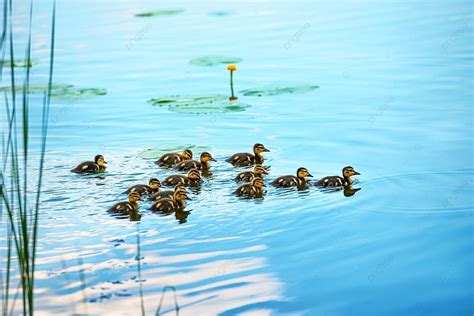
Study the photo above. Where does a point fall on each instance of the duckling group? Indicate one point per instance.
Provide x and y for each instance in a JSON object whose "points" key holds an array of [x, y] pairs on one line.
{"points": [[166, 201]]}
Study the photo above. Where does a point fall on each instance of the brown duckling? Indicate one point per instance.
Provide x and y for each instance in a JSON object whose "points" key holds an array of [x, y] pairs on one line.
{"points": [[168, 194], [337, 181], [174, 204], [247, 176], [170, 159], [127, 207], [291, 181], [194, 164], [153, 186], [252, 189], [247, 159], [98, 165], [193, 178]]}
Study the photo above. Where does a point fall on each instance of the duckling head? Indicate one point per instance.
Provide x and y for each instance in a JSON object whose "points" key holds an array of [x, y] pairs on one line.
{"points": [[259, 148], [179, 187], [194, 174], [133, 197], [180, 196], [205, 157], [259, 170], [258, 183], [349, 171], [154, 183], [187, 154], [99, 159], [303, 173]]}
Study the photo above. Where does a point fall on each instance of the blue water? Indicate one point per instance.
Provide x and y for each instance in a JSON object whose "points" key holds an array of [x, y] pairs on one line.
{"points": [[395, 101]]}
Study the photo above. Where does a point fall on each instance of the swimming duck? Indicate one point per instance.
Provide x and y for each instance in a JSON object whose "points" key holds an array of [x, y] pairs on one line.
{"points": [[153, 186], [246, 159], [168, 194], [291, 181], [336, 181], [127, 207], [193, 164], [252, 189], [170, 159], [193, 178], [173, 204], [247, 176], [98, 165]]}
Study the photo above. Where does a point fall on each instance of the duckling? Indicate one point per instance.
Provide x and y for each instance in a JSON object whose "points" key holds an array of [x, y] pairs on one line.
{"points": [[290, 181], [252, 189], [153, 186], [127, 207], [247, 176], [167, 194], [336, 181], [246, 159], [193, 178], [174, 204], [98, 165], [170, 159], [193, 164]]}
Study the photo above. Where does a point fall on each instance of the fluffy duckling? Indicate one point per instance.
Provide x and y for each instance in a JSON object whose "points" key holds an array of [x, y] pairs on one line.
{"points": [[247, 159], [291, 181], [170, 159], [252, 189], [153, 186], [127, 207], [193, 178], [336, 181], [174, 204], [168, 194], [247, 176], [193, 164], [98, 165]]}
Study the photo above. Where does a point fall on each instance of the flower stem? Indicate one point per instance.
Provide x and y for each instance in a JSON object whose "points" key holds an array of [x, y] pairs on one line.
{"points": [[232, 84]]}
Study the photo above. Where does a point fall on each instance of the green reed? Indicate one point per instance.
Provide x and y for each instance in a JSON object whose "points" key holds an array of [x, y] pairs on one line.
{"points": [[20, 204]]}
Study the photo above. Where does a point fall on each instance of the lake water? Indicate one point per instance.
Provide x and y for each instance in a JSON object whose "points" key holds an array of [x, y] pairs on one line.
{"points": [[395, 101]]}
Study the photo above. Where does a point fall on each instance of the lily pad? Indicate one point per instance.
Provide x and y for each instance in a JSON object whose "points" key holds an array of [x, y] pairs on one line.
{"points": [[17, 63], [188, 100], [214, 60], [258, 92], [155, 153], [202, 104], [61, 91], [165, 12]]}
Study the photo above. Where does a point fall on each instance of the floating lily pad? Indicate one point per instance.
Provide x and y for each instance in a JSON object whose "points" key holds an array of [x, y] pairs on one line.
{"points": [[258, 92], [165, 12], [188, 100], [203, 104], [155, 153], [215, 60], [17, 63], [61, 91], [209, 108]]}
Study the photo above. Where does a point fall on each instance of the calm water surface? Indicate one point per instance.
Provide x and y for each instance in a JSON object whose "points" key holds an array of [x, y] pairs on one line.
{"points": [[395, 101]]}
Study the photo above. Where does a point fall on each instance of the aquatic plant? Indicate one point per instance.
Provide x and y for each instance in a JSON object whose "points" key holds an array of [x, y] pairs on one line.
{"points": [[164, 12], [214, 60], [232, 68], [20, 202], [270, 91]]}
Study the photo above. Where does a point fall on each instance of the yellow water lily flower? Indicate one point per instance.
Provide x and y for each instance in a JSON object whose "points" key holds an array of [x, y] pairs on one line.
{"points": [[232, 67]]}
